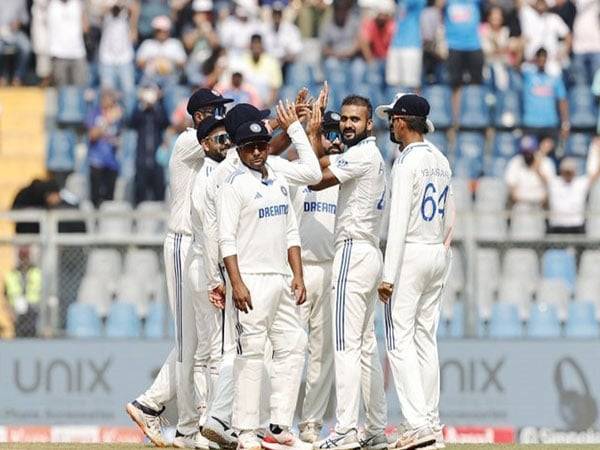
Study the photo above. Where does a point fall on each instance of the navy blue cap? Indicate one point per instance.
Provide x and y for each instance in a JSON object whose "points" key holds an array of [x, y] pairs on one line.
{"points": [[206, 126], [331, 119], [410, 105], [252, 131], [203, 98], [243, 112]]}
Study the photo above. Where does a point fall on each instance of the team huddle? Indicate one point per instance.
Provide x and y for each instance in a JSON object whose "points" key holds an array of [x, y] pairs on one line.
{"points": [[273, 263]]}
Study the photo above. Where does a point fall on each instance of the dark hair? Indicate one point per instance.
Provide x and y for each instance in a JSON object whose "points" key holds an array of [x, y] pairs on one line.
{"points": [[256, 37], [416, 123], [358, 100], [541, 52], [208, 66]]}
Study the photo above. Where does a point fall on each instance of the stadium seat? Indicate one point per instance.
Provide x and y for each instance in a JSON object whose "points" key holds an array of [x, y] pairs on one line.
{"points": [[559, 263], [77, 184], [474, 110], [132, 290], [594, 204], [517, 292], [593, 226], [583, 112], [589, 264], [144, 261], [522, 264], [115, 220], [94, 291], [462, 195], [83, 321], [485, 295], [470, 147], [527, 224], [71, 106], [491, 194], [582, 321], [495, 166], [554, 291], [578, 144], [299, 75], [507, 110], [157, 289], [491, 226], [440, 140], [123, 322], [543, 321], [504, 321], [505, 145], [173, 96], [158, 321], [456, 327], [488, 266], [151, 226], [60, 150], [105, 264], [588, 288], [449, 297], [440, 100]]}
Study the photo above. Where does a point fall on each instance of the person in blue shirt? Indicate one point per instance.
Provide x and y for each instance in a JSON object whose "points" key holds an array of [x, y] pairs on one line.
{"points": [[405, 56], [541, 94]]}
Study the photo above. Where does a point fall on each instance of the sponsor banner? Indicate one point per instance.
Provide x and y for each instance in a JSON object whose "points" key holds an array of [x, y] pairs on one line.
{"points": [[479, 435], [121, 434], [533, 435], [72, 434], [28, 434], [83, 434]]}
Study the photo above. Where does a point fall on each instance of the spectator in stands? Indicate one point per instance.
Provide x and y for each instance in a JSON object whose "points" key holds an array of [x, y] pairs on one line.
{"points": [[7, 326], [343, 61], [544, 29], [435, 49], [567, 196], [405, 57], [566, 10], [495, 40], [200, 40], [586, 42], [545, 106], [465, 58], [282, 38], [525, 185], [149, 10], [40, 41], [161, 58], [104, 127], [262, 71], [13, 41], [115, 57], [240, 91], [67, 24], [23, 291], [236, 30], [149, 120]]}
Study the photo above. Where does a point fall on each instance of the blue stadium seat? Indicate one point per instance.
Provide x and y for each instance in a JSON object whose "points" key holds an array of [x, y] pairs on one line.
{"points": [[123, 321], [440, 140], [495, 166], [543, 321], [71, 106], [60, 150], [457, 324], [155, 321], [578, 145], [507, 111], [440, 99], [469, 152], [583, 112], [82, 321], [505, 145], [299, 75], [474, 110], [504, 321], [559, 263], [174, 95], [581, 322]]}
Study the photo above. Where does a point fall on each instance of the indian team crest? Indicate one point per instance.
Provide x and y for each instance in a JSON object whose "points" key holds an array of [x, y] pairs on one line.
{"points": [[255, 128]]}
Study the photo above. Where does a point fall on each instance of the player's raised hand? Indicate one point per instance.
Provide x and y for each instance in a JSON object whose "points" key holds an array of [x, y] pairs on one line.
{"points": [[241, 297], [217, 296], [286, 114], [301, 96], [323, 98], [314, 123], [298, 290], [385, 291]]}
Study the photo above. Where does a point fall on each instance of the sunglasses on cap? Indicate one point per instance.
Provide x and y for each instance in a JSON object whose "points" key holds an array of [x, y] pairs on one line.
{"points": [[332, 135], [221, 138], [217, 111], [260, 145]]}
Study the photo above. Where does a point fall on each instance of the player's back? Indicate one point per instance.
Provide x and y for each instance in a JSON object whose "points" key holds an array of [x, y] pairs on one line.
{"points": [[430, 191]]}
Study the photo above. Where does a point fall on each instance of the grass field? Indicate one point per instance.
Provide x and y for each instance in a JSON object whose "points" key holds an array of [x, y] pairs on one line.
{"points": [[139, 447]]}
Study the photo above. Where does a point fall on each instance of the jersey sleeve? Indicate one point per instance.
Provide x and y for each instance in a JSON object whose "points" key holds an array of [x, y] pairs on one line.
{"points": [[400, 206], [211, 238], [349, 165], [228, 210], [292, 233], [188, 147]]}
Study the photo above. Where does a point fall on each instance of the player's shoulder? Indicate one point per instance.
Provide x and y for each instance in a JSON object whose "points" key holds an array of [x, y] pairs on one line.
{"points": [[186, 139], [234, 177]]}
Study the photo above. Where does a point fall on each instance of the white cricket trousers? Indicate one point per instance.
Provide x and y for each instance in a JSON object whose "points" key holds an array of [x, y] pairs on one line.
{"points": [[411, 321], [316, 317], [175, 251], [356, 273], [275, 317]]}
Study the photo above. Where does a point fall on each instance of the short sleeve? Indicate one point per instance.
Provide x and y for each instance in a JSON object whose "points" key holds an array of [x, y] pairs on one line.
{"points": [[559, 88], [349, 165]]}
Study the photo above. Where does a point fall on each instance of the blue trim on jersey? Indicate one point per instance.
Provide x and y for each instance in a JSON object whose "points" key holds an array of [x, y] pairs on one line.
{"points": [[341, 296], [178, 292], [221, 270], [390, 339], [234, 175]]}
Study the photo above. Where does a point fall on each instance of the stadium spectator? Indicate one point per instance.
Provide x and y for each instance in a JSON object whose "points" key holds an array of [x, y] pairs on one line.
{"points": [[542, 92], [23, 291], [261, 71], [66, 25], [240, 91], [465, 58], [236, 30], [586, 42], [39, 41], [566, 10], [282, 38], [116, 47], [104, 127], [13, 41], [435, 49], [149, 10], [495, 41], [405, 57], [162, 57], [200, 39], [149, 120], [544, 29], [525, 185]]}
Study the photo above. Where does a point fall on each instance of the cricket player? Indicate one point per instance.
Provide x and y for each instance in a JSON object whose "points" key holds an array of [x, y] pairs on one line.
{"points": [[315, 211], [360, 172], [258, 238], [303, 171], [416, 267], [176, 376]]}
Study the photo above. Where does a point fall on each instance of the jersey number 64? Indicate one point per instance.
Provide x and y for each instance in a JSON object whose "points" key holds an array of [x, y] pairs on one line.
{"points": [[429, 206]]}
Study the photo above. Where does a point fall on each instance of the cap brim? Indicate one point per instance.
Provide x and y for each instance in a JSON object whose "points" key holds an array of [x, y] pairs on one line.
{"points": [[221, 101], [257, 138], [383, 111]]}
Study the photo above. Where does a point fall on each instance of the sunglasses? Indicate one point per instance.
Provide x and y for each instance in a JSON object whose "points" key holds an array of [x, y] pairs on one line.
{"points": [[332, 135], [260, 146], [218, 111], [221, 138]]}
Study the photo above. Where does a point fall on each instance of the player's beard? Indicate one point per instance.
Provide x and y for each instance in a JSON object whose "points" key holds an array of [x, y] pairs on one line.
{"points": [[356, 139], [393, 138]]}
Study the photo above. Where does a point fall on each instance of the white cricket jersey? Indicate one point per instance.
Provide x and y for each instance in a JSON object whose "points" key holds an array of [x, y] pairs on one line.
{"points": [[186, 159], [199, 203], [420, 195], [257, 221], [361, 202], [315, 213]]}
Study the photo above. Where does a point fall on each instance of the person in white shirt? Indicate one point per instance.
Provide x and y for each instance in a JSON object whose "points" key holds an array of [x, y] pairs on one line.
{"points": [[282, 38], [176, 377], [163, 57], [236, 29], [66, 25], [360, 172], [316, 212], [417, 261], [586, 42], [258, 238]]}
